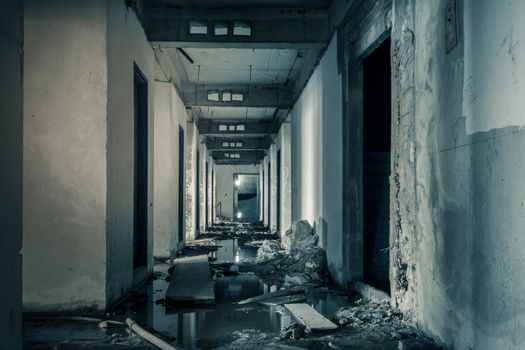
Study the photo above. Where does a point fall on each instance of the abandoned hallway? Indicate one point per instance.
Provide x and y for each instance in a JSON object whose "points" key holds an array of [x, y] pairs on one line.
{"points": [[262, 174]]}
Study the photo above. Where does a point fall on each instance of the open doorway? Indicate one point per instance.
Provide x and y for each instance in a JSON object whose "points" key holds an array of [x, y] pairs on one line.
{"points": [[246, 197], [376, 165], [140, 171]]}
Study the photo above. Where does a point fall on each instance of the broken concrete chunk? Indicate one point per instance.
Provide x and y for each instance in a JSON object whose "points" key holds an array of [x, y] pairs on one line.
{"points": [[300, 236]]}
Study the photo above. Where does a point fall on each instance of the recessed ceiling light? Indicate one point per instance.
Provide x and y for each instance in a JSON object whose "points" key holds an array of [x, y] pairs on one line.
{"points": [[220, 28], [213, 95], [198, 26], [226, 96], [237, 96], [242, 28]]}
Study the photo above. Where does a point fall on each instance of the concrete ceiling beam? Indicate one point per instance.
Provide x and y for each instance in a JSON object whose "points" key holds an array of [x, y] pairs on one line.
{"points": [[253, 95], [270, 28], [248, 143], [215, 128]]}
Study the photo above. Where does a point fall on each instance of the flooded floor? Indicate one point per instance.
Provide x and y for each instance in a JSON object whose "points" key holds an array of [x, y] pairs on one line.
{"points": [[225, 325]]}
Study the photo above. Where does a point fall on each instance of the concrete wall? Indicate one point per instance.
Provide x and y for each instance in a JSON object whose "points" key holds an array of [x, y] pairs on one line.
{"points": [[126, 45], [170, 114], [469, 164], [224, 174], [266, 192], [272, 189], [457, 190], [283, 142], [211, 202], [65, 149], [203, 159], [192, 142], [11, 125], [316, 154]]}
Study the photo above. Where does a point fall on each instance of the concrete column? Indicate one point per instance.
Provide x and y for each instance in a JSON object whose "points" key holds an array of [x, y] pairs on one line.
{"points": [[266, 191], [286, 176], [11, 125], [191, 177], [261, 192], [210, 204], [273, 187], [203, 154]]}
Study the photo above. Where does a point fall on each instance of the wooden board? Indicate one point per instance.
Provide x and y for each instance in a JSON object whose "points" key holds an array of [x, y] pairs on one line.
{"points": [[279, 293], [191, 281], [287, 299], [309, 317]]}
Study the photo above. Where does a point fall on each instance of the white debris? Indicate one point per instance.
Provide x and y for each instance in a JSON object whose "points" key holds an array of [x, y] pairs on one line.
{"points": [[300, 236]]}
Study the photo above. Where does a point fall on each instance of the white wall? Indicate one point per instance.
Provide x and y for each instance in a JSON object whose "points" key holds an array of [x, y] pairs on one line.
{"points": [[126, 45], [317, 157], [283, 142], [192, 192], [224, 174], [11, 125], [170, 114], [266, 192], [272, 158], [65, 149]]}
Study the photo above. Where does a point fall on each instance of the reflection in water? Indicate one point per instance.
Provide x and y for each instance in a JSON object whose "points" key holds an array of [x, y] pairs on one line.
{"points": [[212, 326]]}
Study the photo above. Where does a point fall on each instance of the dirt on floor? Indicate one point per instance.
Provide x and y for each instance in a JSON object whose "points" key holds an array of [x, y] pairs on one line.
{"points": [[255, 274]]}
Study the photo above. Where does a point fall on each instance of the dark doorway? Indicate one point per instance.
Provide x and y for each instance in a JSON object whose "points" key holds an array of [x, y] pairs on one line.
{"points": [[376, 165], [279, 190], [246, 197], [140, 170], [198, 194], [182, 177]]}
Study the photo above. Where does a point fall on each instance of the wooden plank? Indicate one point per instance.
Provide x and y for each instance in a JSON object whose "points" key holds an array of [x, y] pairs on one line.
{"points": [[279, 293], [294, 298], [191, 281], [309, 317]]}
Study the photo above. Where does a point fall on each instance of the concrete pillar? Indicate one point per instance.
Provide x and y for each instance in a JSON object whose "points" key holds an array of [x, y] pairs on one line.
{"points": [[203, 158], [266, 192], [209, 181], [190, 178], [261, 192], [273, 187], [286, 176], [11, 125]]}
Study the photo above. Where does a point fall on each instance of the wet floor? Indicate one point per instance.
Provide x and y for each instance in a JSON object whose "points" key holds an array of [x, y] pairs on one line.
{"points": [[191, 327]]}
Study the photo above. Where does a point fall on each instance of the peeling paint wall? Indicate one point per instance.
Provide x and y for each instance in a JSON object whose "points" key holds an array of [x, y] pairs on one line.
{"points": [[272, 195], [126, 46], [457, 191], [11, 127], [203, 159], [192, 142], [170, 114], [316, 123], [65, 155]]}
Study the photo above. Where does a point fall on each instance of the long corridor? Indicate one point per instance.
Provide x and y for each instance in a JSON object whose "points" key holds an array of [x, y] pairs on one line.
{"points": [[262, 174]]}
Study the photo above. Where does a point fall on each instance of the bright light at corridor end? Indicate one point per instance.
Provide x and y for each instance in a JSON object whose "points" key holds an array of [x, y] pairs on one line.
{"points": [[237, 182], [239, 215]]}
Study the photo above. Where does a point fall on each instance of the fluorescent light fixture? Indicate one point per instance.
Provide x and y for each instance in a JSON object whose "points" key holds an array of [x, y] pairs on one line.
{"points": [[198, 26], [242, 28], [239, 144], [226, 155], [220, 28], [226, 96], [235, 155], [231, 127], [225, 144], [232, 144], [237, 97], [240, 127], [223, 127], [213, 95]]}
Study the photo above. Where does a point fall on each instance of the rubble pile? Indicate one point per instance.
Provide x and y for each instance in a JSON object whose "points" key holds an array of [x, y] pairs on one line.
{"points": [[368, 314], [296, 260]]}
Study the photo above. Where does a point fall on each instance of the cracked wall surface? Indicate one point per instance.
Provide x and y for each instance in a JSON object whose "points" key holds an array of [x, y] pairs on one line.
{"points": [[457, 189]]}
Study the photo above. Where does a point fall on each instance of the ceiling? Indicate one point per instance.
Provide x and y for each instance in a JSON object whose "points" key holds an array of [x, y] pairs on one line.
{"points": [[265, 66], [236, 113], [238, 66]]}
